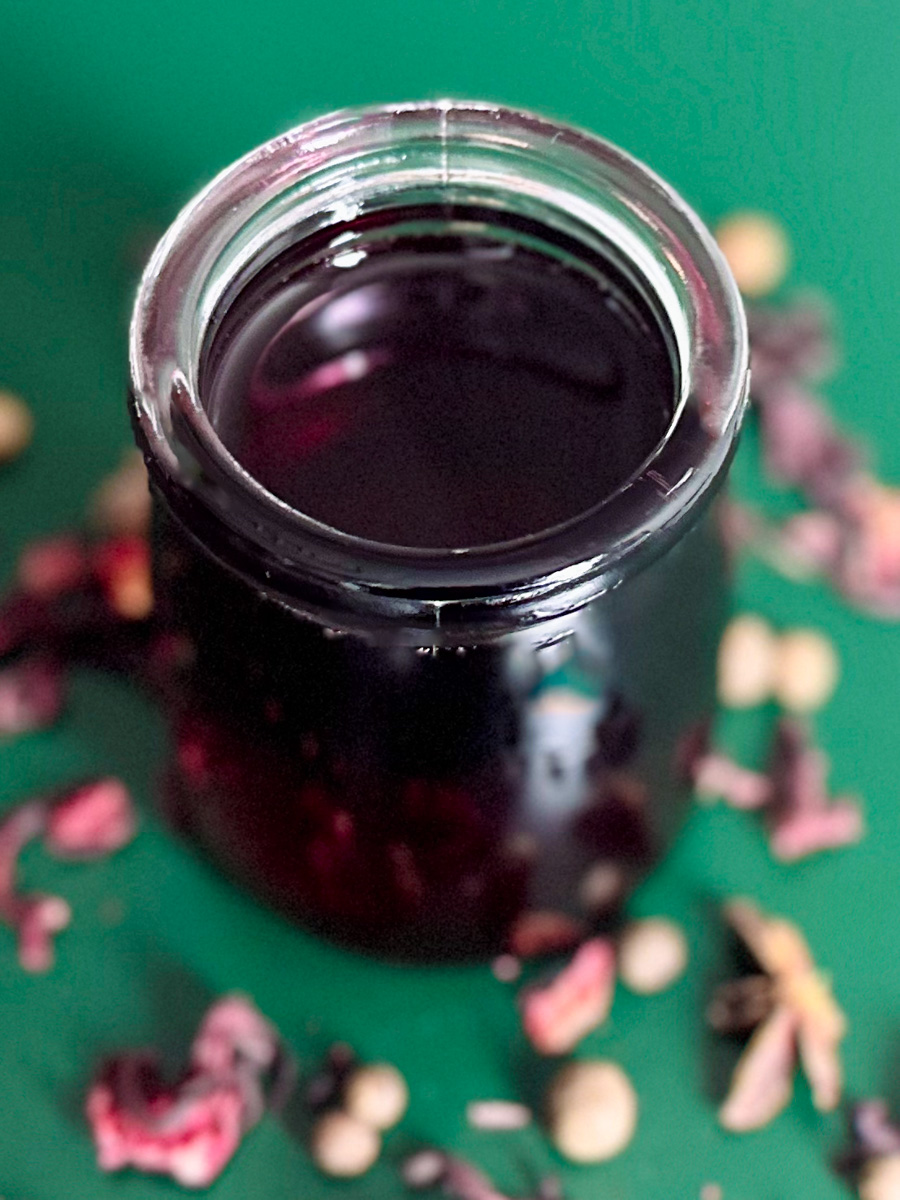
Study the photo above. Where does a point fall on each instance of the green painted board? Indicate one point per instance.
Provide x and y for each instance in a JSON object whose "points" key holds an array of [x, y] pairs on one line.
{"points": [[110, 116]]}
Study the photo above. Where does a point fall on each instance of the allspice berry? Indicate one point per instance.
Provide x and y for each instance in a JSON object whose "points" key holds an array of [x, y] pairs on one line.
{"points": [[343, 1146], [748, 658], [757, 251], [880, 1178], [16, 426], [591, 1111], [377, 1095], [653, 954], [806, 671]]}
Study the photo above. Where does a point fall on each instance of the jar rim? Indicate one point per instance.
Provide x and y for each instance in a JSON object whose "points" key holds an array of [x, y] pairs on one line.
{"points": [[326, 169]]}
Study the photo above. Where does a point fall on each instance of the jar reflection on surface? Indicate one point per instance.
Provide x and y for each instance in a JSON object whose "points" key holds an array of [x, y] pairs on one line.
{"points": [[437, 753]]}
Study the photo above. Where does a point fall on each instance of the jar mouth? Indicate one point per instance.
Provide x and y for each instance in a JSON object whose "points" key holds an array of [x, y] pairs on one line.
{"points": [[326, 173]]}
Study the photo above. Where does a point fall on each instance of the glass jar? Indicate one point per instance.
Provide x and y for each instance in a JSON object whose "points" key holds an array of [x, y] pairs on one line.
{"points": [[437, 750]]}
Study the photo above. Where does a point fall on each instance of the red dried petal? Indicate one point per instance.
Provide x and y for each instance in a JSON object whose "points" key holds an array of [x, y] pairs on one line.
{"points": [[232, 1030], [122, 568], [189, 1130], [717, 775], [48, 568], [94, 819], [804, 833], [555, 1018], [189, 1133]]}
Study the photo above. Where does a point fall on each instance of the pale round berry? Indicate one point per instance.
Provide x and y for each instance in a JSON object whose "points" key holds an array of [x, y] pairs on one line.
{"points": [[592, 1111], [757, 251], [16, 426], [748, 655], [344, 1146], [653, 954], [806, 671], [377, 1095]]}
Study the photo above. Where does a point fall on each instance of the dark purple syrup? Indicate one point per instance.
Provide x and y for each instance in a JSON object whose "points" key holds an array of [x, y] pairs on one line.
{"points": [[451, 386], [457, 383]]}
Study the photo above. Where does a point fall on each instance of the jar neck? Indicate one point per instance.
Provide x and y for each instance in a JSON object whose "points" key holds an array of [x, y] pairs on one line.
{"points": [[316, 184]]}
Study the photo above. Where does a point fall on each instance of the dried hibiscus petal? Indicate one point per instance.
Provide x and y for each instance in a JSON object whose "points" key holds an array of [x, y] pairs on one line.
{"points": [[191, 1129], [805, 819], [91, 820], [557, 1016]]}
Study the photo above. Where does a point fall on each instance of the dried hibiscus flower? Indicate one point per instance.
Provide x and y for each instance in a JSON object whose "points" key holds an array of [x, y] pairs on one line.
{"points": [[190, 1129], [557, 1015], [89, 821], [802, 818], [793, 1017]]}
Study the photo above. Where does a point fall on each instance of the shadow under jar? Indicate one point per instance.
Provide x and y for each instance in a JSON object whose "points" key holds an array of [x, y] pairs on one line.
{"points": [[435, 399]]}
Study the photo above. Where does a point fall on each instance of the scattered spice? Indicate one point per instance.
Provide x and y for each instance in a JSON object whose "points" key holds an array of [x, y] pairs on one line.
{"points": [[122, 502], [343, 1146], [801, 1022], [53, 565], [190, 1130], [557, 1015], [746, 664], [653, 954], [880, 1179], [756, 249], [327, 1086], [122, 565], [32, 695], [806, 671], [460, 1180], [711, 1191], [16, 426], [592, 1111], [498, 1114], [90, 821], [716, 776], [804, 819], [377, 1095], [873, 1160]]}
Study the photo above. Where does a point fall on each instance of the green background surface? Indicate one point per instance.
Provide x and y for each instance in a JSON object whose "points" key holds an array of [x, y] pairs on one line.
{"points": [[111, 115]]}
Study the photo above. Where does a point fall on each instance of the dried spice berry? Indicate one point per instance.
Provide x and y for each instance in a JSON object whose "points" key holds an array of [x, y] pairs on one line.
{"points": [[756, 249], [190, 1129], [592, 1111], [16, 426], [653, 954], [806, 672], [377, 1095], [343, 1146], [557, 1015], [800, 1024], [746, 662]]}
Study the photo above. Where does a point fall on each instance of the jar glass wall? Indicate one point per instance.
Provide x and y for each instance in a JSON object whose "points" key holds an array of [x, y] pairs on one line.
{"points": [[434, 728]]}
